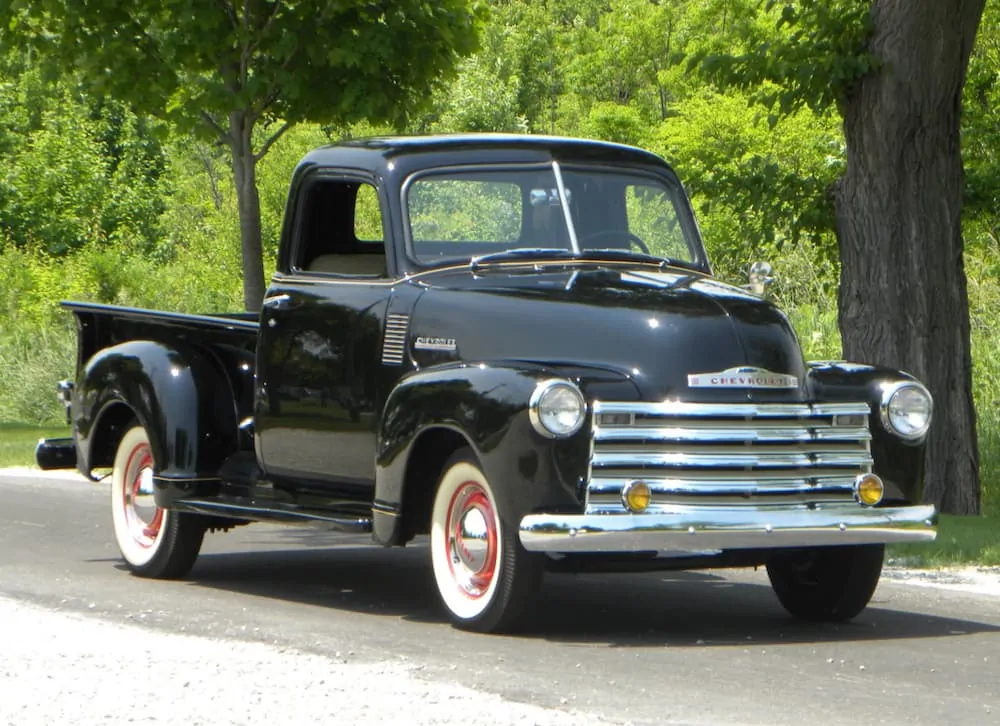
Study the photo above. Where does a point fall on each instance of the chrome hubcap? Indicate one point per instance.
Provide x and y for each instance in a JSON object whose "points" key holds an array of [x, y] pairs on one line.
{"points": [[472, 540], [144, 518]]}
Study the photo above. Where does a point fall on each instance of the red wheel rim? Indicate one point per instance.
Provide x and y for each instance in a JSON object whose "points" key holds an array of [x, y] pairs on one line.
{"points": [[142, 517], [471, 540]]}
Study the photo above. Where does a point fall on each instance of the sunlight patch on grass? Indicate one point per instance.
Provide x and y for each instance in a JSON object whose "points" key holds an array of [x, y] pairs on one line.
{"points": [[18, 441]]}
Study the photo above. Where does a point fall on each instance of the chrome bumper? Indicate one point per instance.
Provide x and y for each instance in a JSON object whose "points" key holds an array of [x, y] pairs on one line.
{"points": [[704, 529]]}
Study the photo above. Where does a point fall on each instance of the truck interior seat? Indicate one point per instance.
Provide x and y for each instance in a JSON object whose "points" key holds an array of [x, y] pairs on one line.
{"points": [[349, 264]]}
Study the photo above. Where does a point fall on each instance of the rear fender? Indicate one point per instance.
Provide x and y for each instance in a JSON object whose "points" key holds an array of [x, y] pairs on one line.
{"points": [[177, 393]]}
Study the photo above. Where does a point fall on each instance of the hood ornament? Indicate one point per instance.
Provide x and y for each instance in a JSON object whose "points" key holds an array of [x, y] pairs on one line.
{"points": [[742, 377]]}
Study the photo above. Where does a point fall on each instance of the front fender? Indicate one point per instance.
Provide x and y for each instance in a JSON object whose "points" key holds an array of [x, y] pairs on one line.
{"points": [[898, 462], [487, 405], [178, 394]]}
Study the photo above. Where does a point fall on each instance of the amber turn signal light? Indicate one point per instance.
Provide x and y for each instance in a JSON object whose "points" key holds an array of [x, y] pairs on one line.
{"points": [[635, 496], [868, 489]]}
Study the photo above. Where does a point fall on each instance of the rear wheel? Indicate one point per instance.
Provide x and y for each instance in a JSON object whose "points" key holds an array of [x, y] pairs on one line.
{"points": [[828, 584], [154, 542], [485, 578]]}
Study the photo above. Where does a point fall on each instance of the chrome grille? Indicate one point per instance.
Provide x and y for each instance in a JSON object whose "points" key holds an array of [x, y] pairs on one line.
{"points": [[394, 344], [693, 454]]}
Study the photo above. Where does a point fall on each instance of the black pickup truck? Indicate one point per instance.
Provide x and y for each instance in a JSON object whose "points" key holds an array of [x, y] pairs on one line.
{"points": [[514, 345]]}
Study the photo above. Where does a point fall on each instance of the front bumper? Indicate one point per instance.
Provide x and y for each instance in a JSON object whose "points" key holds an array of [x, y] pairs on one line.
{"points": [[701, 529]]}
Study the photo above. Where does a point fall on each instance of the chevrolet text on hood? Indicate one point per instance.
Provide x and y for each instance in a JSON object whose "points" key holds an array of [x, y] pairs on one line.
{"points": [[512, 348]]}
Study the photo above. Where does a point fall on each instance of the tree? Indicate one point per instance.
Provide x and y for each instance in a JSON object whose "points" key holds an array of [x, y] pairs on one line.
{"points": [[895, 70], [903, 297], [244, 72]]}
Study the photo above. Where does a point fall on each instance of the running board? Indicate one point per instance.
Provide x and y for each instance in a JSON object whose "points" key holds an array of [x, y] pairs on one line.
{"points": [[272, 514]]}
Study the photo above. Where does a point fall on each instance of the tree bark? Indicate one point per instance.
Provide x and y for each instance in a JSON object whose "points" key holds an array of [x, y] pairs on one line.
{"points": [[248, 203], [903, 297]]}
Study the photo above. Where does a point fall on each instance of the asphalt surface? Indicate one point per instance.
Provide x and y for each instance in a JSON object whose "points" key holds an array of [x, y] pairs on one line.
{"points": [[694, 648]]}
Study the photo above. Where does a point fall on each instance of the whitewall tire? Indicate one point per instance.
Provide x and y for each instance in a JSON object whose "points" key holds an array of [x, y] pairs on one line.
{"points": [[485, 578], [153, 541]]}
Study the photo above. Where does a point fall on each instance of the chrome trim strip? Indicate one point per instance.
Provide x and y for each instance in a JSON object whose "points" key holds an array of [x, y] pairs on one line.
{"points": [[733, 410], [728, 459], [762, 500], [723, 487], [763, 435], [726, 528], [291, 516]]}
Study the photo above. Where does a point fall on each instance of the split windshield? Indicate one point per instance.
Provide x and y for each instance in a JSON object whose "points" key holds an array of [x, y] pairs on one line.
{"points": [[465, 214]]}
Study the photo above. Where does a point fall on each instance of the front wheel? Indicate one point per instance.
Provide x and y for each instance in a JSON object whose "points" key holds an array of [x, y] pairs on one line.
{"points": [[827, 584], [154, 542], [485, 578]]}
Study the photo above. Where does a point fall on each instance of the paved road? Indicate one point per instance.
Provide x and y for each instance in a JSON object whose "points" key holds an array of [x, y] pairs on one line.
{"points": [[699, 648]]}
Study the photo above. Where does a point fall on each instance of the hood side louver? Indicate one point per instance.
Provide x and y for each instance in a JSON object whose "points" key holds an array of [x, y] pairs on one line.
{"points": [[394, 345]]}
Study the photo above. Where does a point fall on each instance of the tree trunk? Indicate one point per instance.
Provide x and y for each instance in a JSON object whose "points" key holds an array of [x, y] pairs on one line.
{"points": [[903, 297], [248, 202]]}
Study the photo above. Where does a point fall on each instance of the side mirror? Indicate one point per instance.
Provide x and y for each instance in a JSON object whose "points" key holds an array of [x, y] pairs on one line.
{"points": [[759, 277]]}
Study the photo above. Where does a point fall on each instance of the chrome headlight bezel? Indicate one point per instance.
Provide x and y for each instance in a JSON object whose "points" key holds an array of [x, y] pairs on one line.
{"points": [[540, 410], [890, 392]]}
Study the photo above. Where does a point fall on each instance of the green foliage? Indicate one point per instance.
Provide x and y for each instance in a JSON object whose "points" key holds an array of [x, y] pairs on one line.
{"points": [[614, 122], [980, 131], [195, 63], [225, 71], [755, 187], [816, 51], [74, 170], [483, 98]]}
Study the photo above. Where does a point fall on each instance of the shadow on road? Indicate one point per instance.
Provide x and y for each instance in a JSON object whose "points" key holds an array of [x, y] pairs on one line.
{"points": [[635, 610]]}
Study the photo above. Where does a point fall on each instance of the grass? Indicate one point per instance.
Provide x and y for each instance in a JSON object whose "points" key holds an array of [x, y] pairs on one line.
{"points": [[17, 442], [960, 541]]}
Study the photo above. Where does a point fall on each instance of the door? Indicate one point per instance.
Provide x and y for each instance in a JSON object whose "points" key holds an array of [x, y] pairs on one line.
{"points": [[319, 352]]}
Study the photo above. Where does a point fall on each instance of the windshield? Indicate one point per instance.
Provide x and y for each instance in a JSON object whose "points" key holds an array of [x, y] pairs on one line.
{"points": [[460, 215]]}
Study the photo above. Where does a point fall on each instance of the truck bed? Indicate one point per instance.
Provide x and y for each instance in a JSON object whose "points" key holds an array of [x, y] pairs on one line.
{"points": [[229, 338]]}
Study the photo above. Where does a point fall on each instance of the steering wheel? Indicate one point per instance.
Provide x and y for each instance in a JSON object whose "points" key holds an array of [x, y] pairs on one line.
{"points": [[633, 239]]}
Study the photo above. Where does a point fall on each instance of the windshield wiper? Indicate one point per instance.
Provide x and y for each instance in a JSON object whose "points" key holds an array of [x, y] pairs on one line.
{"points": [[522, 253]]}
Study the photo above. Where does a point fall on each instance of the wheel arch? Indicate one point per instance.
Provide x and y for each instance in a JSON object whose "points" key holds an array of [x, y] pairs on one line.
{"points": [[432, 449], [111, 425]]}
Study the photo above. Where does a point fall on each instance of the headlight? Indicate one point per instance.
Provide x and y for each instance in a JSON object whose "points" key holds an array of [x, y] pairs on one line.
{"points": [[906, 409], [557, 409]]}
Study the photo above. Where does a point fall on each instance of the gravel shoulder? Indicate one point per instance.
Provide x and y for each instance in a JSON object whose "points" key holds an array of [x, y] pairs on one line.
{"points": [[63, 668]]}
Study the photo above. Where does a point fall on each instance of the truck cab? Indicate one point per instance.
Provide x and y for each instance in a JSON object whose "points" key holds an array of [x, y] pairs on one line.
{"points": [[514, 346]]}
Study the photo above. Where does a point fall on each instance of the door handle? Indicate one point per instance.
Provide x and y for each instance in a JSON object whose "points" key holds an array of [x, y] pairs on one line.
{"points": [[280, 302]]}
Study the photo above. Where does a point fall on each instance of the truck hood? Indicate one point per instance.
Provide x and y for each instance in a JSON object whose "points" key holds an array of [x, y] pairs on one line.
{"points": [[655, 328]]}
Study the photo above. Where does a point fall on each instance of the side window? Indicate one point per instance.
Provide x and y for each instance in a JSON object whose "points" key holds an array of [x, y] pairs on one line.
{"points": [[367, 215], [653, 217], [340, 232]]}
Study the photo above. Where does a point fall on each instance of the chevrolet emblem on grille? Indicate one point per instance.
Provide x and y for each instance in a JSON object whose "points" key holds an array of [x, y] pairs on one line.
{"points": [[742, 377]]}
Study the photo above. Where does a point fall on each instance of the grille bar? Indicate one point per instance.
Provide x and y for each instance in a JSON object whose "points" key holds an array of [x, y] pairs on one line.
{"points": [[728, 487], [727, 459], [700, 433], [733, 410]]}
